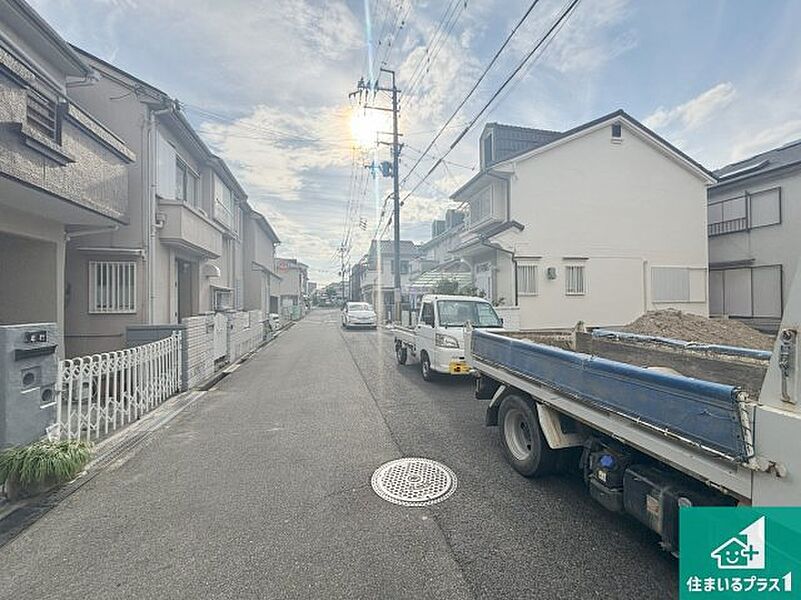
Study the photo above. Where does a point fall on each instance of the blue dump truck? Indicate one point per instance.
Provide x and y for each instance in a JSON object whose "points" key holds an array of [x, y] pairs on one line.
{"points": [[654, 424]]}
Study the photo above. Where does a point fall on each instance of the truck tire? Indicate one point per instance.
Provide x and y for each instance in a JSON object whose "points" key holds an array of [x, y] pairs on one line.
{"points": [[401, 354], [522, 439], [425, 367]]}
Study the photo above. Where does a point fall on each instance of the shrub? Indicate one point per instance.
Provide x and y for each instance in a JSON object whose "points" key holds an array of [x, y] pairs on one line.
{"points": [[44, 462]]}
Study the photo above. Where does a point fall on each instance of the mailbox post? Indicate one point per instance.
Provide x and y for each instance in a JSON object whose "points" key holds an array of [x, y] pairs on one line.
{"points": [[28, 373]]}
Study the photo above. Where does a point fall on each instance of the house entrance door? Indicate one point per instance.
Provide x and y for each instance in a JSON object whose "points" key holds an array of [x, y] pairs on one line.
{"points": [[184, 286]]}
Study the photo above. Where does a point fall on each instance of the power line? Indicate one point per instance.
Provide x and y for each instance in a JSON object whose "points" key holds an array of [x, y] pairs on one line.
{"points": [[564, 15], [433, 50], [428, 47], [477, 82]]}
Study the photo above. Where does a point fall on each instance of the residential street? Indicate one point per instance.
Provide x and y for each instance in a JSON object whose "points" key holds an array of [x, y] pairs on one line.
{"points": [[262, 490]]}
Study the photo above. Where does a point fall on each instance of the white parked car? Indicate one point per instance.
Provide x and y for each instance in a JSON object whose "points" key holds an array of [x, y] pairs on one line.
{"points": [[359, 314]]}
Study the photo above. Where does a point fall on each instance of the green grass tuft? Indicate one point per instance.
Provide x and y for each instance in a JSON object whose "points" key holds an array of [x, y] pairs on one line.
{"points": [[44, 461]]}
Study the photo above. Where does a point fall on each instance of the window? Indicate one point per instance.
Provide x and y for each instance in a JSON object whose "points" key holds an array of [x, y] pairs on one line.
{"points": [[765, 208], [224, 203], [186, 183], [746, 291], [575, 280], [617, 131], [481, 206], [112, 287], [455, 313], [741, 213], [678, 284], [527, 280], [222, 298], [42, 115], [727, 216], [427, 314]]}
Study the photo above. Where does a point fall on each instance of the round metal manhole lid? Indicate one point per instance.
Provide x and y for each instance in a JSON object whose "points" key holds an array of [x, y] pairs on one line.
{"points": [[413, 482]]}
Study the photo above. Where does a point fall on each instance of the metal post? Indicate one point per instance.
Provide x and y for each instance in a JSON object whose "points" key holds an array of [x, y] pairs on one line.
{"points": [[396, 199]]}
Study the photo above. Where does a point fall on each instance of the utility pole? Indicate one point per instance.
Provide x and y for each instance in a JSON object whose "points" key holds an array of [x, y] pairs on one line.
{"points": [[342, 271], [388, 169]]}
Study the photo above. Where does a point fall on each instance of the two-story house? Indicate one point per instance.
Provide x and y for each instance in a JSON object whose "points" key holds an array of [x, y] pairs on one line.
{"points": [[754, 236], [261, 280], [181, 252], [378, 280], [599, 223], [63, 171], [292, 288], [436, 261]]}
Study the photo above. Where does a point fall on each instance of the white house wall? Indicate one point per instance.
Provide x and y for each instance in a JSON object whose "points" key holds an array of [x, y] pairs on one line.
{"points": [[624, 207]]}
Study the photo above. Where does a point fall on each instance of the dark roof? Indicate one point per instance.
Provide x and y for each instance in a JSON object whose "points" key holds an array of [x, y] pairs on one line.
{"points": [[771, 160], [509, 140]]}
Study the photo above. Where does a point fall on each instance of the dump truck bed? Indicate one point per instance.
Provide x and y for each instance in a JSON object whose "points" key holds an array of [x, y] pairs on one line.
{"points": [[701, 427]]}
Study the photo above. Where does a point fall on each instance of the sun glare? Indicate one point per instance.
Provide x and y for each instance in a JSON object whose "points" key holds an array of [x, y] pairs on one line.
{"points": [[364, 127]]}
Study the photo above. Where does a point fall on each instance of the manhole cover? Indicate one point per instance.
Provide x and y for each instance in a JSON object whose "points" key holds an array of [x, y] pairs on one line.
{"points": [[413, 482]]}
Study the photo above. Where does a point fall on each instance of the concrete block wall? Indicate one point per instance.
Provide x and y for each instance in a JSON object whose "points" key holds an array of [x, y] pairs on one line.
{"points": [[510, 316], [199, 349], [245, 333]]}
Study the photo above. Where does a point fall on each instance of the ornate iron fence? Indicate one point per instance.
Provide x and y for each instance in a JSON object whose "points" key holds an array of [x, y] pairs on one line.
{"points": [[102, 392]]}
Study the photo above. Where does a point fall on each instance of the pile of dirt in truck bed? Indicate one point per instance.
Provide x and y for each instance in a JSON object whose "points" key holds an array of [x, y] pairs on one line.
{"points": [[693, 328]]}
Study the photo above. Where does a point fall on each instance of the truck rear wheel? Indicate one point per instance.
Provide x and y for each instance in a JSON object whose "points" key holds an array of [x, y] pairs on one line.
{"points": [[522, 439], [401, 354]]}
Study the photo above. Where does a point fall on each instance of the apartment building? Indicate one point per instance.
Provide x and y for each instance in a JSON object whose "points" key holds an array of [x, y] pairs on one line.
{"points": [[754, 242], [64, 171]]}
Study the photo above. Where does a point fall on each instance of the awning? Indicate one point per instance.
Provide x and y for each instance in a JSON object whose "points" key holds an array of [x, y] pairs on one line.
{"points": [[454, 270]]}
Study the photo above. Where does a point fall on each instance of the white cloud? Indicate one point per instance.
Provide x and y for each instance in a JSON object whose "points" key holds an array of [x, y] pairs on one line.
{"points": [[766, 139], [694, 112], [592, 36]]}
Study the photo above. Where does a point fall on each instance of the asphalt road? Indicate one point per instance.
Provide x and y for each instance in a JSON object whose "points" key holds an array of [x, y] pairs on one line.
{"points": [[261, 490]]}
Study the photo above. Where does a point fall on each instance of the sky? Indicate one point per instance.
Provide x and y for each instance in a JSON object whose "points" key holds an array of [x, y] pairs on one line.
{"points": [[267, 83]]}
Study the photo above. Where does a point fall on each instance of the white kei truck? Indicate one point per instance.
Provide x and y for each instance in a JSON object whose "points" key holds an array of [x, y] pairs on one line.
{"points": [[437, 338], [655, 424]]}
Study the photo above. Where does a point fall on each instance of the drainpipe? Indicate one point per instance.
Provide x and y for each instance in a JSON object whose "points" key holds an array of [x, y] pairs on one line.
{"points": [[150, 213]]}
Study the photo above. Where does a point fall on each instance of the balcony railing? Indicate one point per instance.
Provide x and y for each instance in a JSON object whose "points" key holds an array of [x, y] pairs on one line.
{"points": [[730, 226]]}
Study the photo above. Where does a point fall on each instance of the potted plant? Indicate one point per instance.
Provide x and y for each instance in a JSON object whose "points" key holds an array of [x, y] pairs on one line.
{"points": [[39, 467]]}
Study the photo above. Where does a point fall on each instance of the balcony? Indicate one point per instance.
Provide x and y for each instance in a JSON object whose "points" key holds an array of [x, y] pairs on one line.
{"points": [[187, 229], [56, 159]]}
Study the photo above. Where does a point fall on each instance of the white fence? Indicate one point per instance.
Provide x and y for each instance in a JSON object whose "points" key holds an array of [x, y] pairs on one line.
{"points": [[99, 393]]}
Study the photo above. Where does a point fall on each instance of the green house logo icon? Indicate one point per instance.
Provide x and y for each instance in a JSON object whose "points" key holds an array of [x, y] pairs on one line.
{"points": [[746, 550]]}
